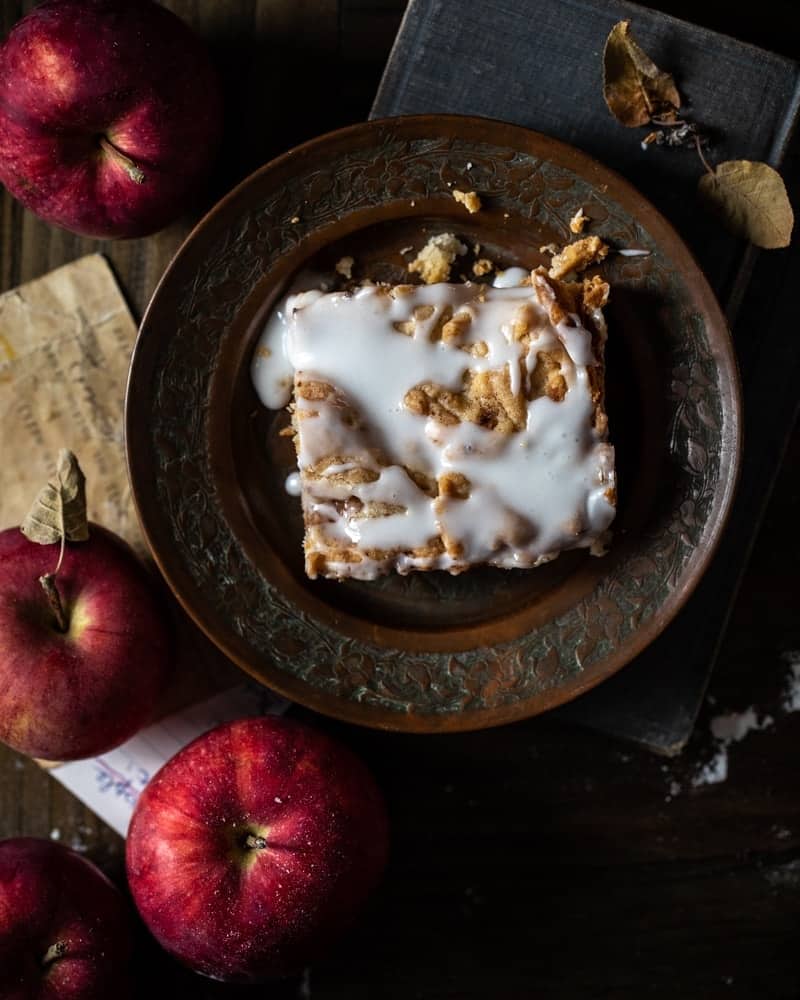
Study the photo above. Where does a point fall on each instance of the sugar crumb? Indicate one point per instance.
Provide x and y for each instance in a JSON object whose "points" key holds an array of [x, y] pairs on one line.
{"points": [[727, 729], [784, 875], [714, 772], [734, 726], [791, 692], [482, 266]]}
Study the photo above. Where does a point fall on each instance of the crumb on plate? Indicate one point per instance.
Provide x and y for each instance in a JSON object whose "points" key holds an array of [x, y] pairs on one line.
{"points": [[344, 266], [469, 199], [578, 221], [434, 260]]}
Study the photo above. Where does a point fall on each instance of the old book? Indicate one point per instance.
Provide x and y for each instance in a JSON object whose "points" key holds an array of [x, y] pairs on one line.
{"points": [[538, 63]]}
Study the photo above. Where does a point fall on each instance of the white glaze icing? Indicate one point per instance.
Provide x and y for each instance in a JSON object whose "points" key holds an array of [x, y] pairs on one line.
{"points": [[532, 493], [511, 277], [271, 371], [293, 485]]}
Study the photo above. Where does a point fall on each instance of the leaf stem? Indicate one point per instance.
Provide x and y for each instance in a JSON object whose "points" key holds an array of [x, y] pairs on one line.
{"points": [[60, 553], [703, 160]]}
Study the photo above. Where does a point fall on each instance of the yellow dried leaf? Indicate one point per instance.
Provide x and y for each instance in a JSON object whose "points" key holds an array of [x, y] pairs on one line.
{"points": [[635, 89], [59, 511], [751, 199]]}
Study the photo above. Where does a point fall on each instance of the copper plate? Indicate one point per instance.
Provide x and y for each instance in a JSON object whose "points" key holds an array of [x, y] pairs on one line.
{"points": [[426, 652]]}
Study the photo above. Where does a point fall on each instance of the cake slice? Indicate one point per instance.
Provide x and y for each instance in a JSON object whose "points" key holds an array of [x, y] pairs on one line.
{"points": [[446, 426]]}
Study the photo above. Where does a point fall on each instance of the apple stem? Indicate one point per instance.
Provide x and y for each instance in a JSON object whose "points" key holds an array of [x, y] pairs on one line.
{"points": [[48, 582], [253, 842], [133, 170], [53, 953]]}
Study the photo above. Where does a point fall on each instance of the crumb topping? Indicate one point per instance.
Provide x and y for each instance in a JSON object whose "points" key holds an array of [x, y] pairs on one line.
{"points": [[434, 260], [482, 266], [577, 256]]}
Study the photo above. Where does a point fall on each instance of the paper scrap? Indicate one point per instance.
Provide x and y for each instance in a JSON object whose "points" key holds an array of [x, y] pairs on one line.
{"points": [[65, 346], [110, 785]]}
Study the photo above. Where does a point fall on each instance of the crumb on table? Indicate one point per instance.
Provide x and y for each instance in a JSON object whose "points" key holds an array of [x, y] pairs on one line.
{"points": [[469, 199], [482, 266]]}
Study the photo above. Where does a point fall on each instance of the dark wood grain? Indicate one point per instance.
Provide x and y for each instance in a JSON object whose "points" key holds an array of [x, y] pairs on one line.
{"points": [[536, 860]]}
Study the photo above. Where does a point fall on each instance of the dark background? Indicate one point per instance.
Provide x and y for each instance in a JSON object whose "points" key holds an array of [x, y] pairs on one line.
{"points": [[538, 860]]}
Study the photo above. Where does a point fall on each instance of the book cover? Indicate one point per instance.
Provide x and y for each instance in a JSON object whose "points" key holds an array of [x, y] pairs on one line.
{"points": [[538, 63]]}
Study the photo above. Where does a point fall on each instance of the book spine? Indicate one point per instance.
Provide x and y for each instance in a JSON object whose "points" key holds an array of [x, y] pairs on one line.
{"points": [[403, 58]]}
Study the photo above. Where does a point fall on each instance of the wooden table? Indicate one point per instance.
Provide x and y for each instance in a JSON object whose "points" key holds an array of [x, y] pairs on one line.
{"points": [[537, 860]]}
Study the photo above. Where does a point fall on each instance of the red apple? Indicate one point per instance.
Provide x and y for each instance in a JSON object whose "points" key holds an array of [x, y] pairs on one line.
{"points": [[64, 928], [254, 847], [110, 114], [78, 687]]}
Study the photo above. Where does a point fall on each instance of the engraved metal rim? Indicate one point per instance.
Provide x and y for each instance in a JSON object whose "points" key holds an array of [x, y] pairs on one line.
{"points": [[300, 690]]}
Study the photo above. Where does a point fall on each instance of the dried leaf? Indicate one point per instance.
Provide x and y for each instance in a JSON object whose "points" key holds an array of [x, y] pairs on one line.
{"points": [[751, 199], [59, 511], [635, 89]]}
